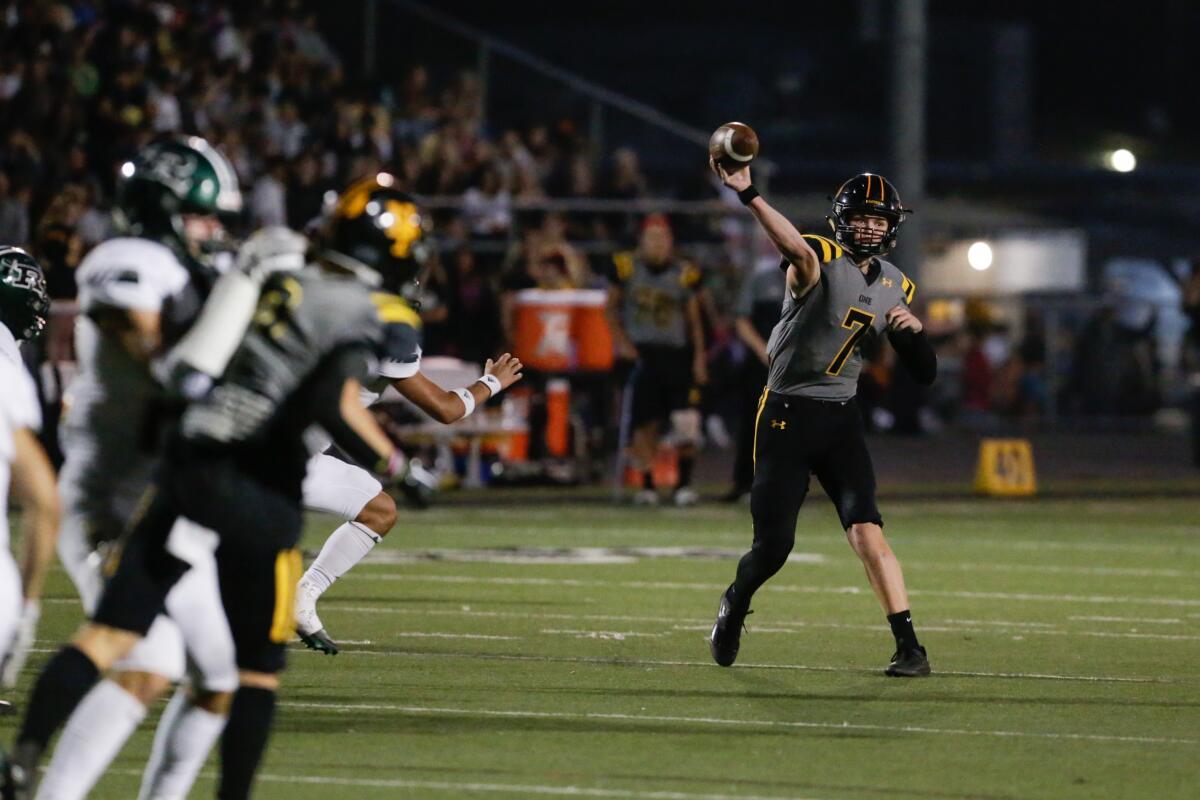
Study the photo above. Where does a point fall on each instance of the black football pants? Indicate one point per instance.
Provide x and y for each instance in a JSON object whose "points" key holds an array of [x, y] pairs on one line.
{"points": [[795, 437]]}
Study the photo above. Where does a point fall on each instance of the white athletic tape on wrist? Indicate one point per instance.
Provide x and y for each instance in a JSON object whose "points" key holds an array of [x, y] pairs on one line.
{"points": [[492, 383], [468, 401]]}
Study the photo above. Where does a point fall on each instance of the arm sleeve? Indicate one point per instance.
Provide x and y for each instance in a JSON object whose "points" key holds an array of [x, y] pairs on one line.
{"points": [[401, 351], [916, 353]]}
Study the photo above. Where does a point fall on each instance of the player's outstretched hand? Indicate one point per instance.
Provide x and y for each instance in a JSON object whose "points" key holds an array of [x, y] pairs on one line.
{"points": [[734, 180], [901, 319], [507, 369]]}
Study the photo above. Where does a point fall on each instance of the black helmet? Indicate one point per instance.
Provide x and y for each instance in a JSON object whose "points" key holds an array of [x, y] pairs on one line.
{"points": [[872, 195], [24, 303], [171, 178], [377, 232]]}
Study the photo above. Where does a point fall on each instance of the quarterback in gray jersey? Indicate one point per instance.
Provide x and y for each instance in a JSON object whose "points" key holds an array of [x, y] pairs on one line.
{"points": [[838, 291]]}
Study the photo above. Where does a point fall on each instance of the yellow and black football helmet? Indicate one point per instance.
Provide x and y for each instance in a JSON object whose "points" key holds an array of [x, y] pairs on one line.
{"points": [[379, 233], [866, 194]]}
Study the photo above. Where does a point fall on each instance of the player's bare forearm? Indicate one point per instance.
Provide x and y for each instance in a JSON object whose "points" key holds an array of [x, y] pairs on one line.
{"points": [[441, 405], [624, 345], [447, 407], [361, 424], [779, 229], [788, 241], [695, 324], [35, 489]]}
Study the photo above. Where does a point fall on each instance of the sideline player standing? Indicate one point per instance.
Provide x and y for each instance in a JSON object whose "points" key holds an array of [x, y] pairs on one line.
{"points": [[808, 422], [654, 311]]}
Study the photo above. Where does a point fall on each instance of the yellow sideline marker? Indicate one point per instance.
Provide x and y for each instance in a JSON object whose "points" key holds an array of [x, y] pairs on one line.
{"points": [[1005, 468]]}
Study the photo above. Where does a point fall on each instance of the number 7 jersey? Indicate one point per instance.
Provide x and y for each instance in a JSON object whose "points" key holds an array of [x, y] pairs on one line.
{"points": [[814, 349]]}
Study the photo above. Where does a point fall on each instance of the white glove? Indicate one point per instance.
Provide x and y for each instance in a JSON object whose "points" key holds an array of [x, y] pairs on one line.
{"points": [[22, 643], [273, 249]]}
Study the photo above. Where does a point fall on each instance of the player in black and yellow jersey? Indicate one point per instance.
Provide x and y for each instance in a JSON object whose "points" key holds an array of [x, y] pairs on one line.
{"points": [[838, 291], [656, 321]]}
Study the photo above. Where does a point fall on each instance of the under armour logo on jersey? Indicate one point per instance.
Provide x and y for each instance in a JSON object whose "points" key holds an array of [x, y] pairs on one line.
{"points": [[781, 424], [888, 282]]}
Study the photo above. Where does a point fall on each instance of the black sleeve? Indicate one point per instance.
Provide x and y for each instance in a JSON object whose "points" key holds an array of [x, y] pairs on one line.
{"points": [[347, 363], [916, 353]]}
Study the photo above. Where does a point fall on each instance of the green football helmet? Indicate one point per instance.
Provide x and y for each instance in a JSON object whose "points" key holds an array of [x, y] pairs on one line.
{"points": [[170, 180], [24, 303]]}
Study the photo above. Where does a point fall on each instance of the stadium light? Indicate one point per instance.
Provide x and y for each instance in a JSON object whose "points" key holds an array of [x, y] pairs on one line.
{"points": [[127, 169], [979, 256], [1122, 160]]}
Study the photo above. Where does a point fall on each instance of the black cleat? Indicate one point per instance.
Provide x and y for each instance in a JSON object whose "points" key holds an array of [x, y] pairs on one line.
{"points": [[726, 634], [908, 664], [320, 642]]}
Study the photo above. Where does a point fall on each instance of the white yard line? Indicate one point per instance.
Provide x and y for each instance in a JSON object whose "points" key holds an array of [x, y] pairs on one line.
{"points": [[1147, 620], [650, 662], [962, 626], [600, 716], [1135, 572], [715, 587], [955, 629], [544, 790]]}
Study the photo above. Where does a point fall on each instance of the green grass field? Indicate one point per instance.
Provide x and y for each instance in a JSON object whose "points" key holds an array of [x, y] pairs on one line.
{"points": [[546, 650]]}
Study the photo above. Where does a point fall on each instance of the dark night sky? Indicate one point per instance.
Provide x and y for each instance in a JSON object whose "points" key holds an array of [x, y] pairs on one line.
{"points": [[1126, 66]]}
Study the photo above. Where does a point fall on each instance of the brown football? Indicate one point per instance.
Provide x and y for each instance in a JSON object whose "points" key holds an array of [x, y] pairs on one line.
{"points": [[734, 145]]}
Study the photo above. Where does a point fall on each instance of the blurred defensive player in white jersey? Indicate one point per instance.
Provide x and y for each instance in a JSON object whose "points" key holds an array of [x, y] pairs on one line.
{"points": [[23, 308], [138, 293], [332, 484]]}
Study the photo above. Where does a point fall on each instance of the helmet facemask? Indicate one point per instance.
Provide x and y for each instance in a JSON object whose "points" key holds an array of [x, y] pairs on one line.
{"points": [[864, 241]]}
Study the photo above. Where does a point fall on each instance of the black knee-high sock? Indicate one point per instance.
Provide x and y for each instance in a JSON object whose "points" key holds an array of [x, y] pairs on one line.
{"points": [[686, 466], [64, 681], [245, 740], [902, 629], [755, 569]]}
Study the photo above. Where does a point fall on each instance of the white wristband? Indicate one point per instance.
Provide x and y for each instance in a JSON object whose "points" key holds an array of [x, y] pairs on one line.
{"points": [[468, 401], [492, 383]]}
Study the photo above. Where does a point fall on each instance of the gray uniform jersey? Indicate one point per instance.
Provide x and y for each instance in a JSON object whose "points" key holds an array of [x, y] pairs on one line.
{"points": [[302, 318], [814, 348], [654, 303]]}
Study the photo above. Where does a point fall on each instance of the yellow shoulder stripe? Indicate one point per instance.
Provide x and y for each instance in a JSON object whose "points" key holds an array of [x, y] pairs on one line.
{"points": [[393, 308], [910, 290], [624, 263], [828, 250], [690, 275]]}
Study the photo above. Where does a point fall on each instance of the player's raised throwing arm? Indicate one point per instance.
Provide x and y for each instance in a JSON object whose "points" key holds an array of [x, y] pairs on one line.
{"points": [[805, 269]]}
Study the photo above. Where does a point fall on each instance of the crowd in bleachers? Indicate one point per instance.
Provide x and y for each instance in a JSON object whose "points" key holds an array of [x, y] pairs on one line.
{"points": [[84, 85]]}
